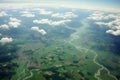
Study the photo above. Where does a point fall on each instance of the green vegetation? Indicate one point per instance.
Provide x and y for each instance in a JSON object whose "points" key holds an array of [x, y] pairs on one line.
{"points": [[76, 52], [7, 64]]}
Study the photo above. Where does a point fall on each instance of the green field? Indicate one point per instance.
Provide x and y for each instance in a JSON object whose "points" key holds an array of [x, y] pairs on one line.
{"points": [[74, 50]]}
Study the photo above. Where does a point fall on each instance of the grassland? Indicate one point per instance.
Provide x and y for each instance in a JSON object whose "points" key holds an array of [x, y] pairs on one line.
{"points": [[72, 51], [60, 58]]}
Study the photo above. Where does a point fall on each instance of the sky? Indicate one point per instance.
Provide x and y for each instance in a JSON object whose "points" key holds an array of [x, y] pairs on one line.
{"points": [[99, 4]]}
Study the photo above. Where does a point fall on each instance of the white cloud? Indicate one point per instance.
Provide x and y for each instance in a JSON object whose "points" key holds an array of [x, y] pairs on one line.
{"points": [[28, 15], [2, 13], [113, 22], [113, 32], [61, 22], [97, 16], [100, 23], [35, 28], [42, 31], [65, 15], [50, 22], [4, 26], [42, 21], [101, 16], [58, 5], [24, 12], [113, 16], [6, 40], [44, 12], [38, 9], [114, 27], [14, 22]]}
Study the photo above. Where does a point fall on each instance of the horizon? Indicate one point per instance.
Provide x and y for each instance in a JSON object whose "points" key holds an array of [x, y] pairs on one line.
{"points": [[100, 5]]}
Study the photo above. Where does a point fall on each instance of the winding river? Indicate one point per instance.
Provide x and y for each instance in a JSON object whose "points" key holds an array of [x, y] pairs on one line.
{"points": [[75, 36]]}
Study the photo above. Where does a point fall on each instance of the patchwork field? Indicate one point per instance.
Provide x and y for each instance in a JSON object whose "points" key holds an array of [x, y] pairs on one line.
{"points": [[55, 49]]}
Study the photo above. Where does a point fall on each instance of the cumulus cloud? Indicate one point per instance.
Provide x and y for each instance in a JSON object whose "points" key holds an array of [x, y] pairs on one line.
{"points": [[2, 13], [113, 16], [114, 32], [42, 21], [113, 25], [4, 26], [24, 12], [42, 31], [28, 15], [14, 22], [97, 16], [100, 23], [65, 15], [101, 16], [61, 22], [50, 22], [113, 22], [45, 12], [6, 40]]}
